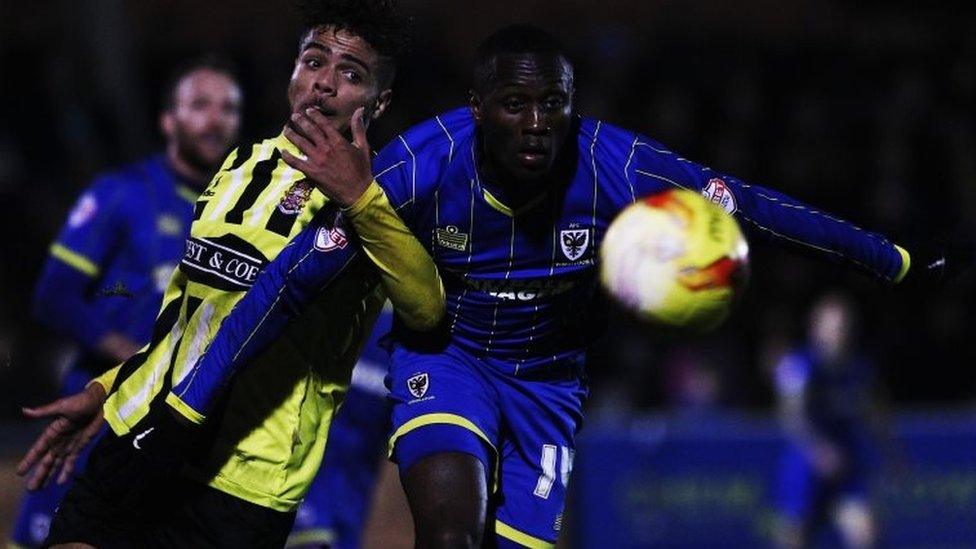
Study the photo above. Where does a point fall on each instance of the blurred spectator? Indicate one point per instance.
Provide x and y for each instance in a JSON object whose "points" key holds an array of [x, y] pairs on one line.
{"points": [[827, 400]]}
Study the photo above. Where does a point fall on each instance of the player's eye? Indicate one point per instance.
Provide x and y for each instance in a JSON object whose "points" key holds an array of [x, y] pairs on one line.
{"points": [[555, 102], [513, 104], [312, 62], [352, 76]]}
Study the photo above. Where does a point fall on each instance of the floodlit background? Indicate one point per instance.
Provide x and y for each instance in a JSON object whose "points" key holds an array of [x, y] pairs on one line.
{"points": [[864, 109]]}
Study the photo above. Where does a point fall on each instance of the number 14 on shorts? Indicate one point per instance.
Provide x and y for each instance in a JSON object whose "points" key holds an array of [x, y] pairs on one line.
{"points": [[551, 454]]}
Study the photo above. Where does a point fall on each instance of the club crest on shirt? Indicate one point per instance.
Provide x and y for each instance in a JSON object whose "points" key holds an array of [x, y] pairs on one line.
{"points": [[717, 192], [574, 242], [450, 237], [295, 197], [83, 211], [418, 384]]}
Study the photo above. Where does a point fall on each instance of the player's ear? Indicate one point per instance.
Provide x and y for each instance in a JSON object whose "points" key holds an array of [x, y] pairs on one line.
{"points": [[167, 124], [474, 103], [381, 103]]}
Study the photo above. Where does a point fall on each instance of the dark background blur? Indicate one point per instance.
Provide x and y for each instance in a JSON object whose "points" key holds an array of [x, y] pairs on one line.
{"points": [[865, 109]]}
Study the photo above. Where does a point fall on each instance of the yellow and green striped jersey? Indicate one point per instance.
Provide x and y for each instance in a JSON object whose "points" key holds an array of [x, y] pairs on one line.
{"points": [[272, 428]]}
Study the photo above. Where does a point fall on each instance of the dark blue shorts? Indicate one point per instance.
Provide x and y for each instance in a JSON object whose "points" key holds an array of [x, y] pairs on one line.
{"points": [[522, 429]]}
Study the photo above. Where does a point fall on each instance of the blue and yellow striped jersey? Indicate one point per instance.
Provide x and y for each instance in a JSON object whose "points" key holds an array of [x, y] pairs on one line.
{"points": [[274, 422]]}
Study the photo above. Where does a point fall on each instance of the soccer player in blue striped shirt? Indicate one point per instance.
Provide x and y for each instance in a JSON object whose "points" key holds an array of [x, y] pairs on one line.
{"points": [[110, 264], [512, 196]]}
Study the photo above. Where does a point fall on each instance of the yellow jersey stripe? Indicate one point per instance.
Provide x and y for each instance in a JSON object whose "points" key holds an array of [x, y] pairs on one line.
{"points": [[316, 537], [906, 263], [74, 259], [446, 419], [184, 410], [521, 538]]}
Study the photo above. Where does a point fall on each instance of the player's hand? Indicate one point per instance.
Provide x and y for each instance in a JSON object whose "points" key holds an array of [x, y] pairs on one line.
{"points": [[933, 264], [340, 169], [77, 419], [117, 346]]}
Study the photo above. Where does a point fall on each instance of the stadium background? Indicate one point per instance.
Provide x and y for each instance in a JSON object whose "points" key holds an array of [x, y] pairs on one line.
{"points": [[867, 109]]}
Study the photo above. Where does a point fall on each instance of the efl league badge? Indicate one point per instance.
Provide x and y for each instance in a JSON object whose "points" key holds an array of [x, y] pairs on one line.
{"points": [[719, 193], [327, 239], [83, 211], [574, 242], [295, 198], [418, 385]]}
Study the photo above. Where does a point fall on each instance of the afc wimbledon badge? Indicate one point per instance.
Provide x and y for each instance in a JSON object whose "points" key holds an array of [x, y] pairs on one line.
{"points": [[295, 198], [574, 242], [718, 192], [418, 385]]}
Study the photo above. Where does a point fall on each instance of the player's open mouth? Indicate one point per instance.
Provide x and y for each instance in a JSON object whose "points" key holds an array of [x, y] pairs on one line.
{"points": [[532, 154]]}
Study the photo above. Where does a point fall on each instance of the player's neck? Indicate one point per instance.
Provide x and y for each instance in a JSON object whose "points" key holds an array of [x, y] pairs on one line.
{"points": [[187, 172]]}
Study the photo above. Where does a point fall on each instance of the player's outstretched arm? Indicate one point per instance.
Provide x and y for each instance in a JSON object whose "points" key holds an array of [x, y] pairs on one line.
{"points": [[770, 215], [319, 254]]}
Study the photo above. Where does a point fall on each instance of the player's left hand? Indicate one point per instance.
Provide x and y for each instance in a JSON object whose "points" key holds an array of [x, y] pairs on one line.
{"points": [[340, 169], [77, 419], [933, 264]]}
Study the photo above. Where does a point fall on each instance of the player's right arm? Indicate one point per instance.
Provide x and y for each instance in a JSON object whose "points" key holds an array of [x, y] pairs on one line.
{"points": [[768, 214], [62, 299]]}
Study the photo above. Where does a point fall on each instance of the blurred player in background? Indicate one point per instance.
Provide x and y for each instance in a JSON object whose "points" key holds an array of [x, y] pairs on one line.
{"points": [[337, 505], [110, 264], [828, 407], [512, 196], [180, 469]]}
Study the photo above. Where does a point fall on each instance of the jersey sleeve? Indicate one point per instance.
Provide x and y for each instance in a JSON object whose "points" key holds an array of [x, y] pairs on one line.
{"points": [[768, 214], [407, 271], [309, 263], [86, 240]]}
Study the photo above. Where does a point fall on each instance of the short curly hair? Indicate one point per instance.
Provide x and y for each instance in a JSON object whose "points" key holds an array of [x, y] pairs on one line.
{"points": [[514, 39], [380, 23]]}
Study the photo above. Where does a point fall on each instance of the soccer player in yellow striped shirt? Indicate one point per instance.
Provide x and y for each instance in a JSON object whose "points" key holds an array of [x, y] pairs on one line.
{"points": [[265, 442]]}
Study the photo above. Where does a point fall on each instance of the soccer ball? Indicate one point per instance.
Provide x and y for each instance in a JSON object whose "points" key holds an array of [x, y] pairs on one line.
{"points": [[676, 259]]}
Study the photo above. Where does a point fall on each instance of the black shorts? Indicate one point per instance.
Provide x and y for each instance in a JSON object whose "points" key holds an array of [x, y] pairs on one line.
{"points": [[108, 506]]}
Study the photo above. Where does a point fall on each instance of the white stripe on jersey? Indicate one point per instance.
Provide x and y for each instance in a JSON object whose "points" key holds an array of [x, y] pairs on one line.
{"points": [[633, 149], [238, 180], [279, 183], [596, 134], [200, 337], [160, 367], [464, 291], [508, 274], [413, 170], [450, 153]]}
